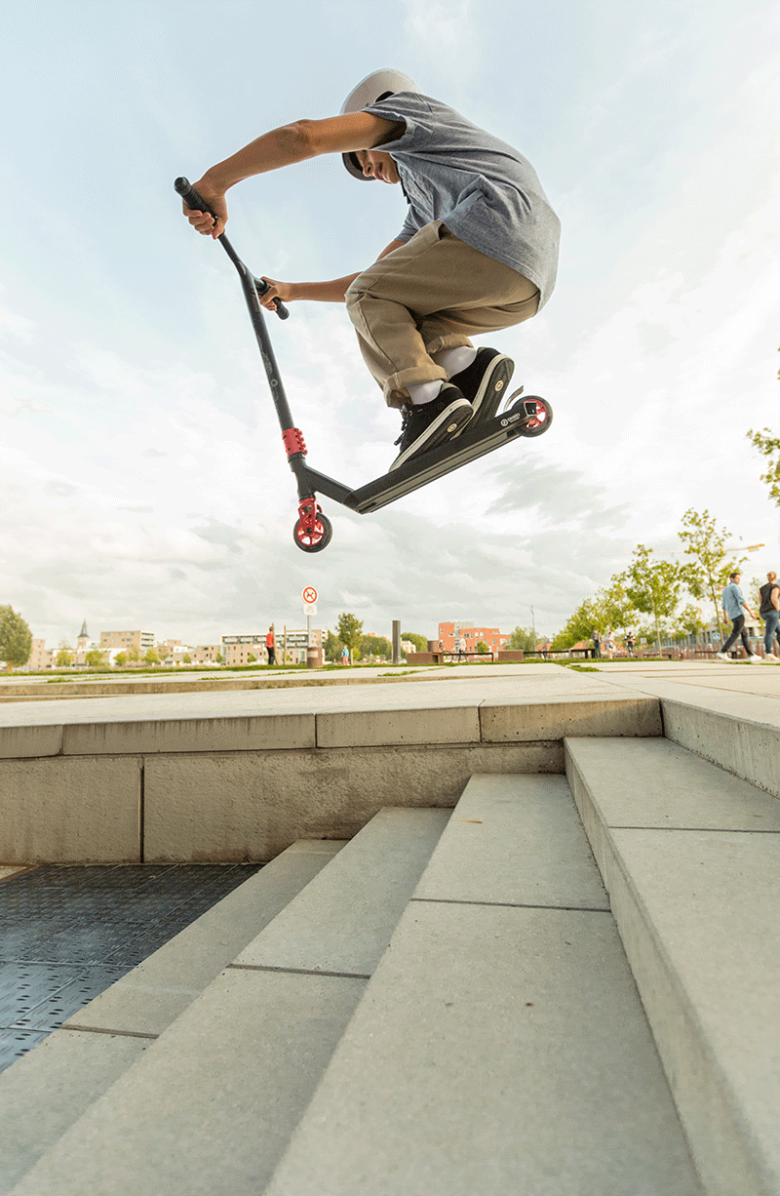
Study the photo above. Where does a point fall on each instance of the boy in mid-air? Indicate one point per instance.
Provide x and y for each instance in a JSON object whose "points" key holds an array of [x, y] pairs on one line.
{"points": [[478, 250]]}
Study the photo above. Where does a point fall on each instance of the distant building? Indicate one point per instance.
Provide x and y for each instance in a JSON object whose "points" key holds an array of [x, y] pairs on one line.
{"points": [[450, 633], [290, 647], [41, 657], [123, 641], [207, 653]]}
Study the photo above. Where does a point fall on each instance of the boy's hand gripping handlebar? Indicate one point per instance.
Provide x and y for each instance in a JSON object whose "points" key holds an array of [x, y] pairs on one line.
{"points": [[193, 200]]}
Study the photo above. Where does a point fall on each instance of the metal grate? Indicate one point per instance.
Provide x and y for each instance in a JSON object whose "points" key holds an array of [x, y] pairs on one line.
{"points": [[67, 933]]}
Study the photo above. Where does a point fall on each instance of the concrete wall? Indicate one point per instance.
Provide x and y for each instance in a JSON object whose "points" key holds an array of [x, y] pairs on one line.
{"points": [[245, 788]]}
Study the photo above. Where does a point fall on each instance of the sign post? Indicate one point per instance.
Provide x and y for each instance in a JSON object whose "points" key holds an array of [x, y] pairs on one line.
{"points": [[309, 609]]}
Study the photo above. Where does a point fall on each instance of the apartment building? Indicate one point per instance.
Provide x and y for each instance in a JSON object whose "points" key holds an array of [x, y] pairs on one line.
{"points": [[291, 646], [450, 634], [122, 641]]}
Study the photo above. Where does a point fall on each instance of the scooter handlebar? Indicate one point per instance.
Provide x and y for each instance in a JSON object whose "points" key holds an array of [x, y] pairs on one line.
{"points": [[193, 200]]}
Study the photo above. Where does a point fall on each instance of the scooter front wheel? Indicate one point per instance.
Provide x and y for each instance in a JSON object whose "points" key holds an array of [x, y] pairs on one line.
{"points": [[313, 535]]}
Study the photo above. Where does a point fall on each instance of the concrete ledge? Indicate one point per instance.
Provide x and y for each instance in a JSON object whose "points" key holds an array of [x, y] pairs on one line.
{"points": [[740, 743], [695, 899], [252, 806], [373, 728], [30, 741], [59, 810], [261, 733], [561, 717]]}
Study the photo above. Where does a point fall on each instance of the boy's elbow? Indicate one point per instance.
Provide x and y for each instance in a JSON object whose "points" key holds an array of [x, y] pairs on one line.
{"points": [[298, 139]]}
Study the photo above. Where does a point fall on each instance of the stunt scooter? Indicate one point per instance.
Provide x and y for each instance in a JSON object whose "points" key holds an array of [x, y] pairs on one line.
{"points": [[312, 532]]}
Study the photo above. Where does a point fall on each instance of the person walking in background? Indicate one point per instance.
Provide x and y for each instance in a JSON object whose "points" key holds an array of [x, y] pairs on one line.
{"points": [[770, 613], [269, 645], [345, 655], [462, 647], [630, 641], [596, 641], [733, 603]]}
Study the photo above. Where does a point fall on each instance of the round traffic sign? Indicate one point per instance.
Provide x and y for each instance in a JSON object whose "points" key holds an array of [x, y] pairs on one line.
{"points": [[310, 594]]}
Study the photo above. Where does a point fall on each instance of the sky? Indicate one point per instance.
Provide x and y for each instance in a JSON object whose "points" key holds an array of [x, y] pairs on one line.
{"points": [[142, 476]]}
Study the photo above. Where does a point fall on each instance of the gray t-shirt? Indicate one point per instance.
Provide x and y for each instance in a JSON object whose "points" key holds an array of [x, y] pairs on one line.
{"points": [[485, 192]]}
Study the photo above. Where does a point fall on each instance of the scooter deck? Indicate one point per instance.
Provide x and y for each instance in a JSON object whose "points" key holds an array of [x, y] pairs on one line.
{"points": [[419, 471]]}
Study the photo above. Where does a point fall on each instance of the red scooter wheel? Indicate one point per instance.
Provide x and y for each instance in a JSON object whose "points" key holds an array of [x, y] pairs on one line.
{"points": [[313, 536]]}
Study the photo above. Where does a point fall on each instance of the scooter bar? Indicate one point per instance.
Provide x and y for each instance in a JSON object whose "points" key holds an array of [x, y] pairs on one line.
{"points": [[193, 200]]}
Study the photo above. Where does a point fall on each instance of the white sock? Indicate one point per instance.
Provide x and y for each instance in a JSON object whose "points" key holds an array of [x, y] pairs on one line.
{"points": [[455, 360], [424, 392]]}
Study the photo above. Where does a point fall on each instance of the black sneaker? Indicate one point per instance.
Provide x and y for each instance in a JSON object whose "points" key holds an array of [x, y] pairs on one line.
{"points": [[485, 382], [429, 424]]}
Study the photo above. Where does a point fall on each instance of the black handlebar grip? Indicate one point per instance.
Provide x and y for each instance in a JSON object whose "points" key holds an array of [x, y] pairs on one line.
{"points": [[193, 200], [190, 196], [281, 311]]}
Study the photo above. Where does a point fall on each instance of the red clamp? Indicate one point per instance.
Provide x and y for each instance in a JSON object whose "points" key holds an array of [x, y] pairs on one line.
{"points": [[293, 441]]}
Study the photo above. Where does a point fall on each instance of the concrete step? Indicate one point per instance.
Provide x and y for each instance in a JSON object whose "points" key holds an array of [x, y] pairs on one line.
{"points": [[211, 1105], [500, 1047], [690, 855], [49, 1088], [738, 731]]}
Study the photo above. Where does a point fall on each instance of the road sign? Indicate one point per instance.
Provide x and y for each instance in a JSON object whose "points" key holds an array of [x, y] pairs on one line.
{"points": [[310, 595], [310, 608]]}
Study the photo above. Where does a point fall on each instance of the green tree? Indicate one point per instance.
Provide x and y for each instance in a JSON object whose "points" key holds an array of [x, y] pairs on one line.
{"points": [[482, 648], [64, 657], [332, 647], [186, 658], [585, 620], [151, 656], [120, 660], [94, 658], [376, 646], [708, 570], [688, 622], [251, 658], [614, 606], [133, 655], [522, 640], [420, 642], [350, 631], [15, 639], [769, 446], [653, 587]]}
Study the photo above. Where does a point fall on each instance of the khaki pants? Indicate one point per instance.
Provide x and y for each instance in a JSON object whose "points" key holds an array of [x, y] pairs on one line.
{"points": [[430, 294]]}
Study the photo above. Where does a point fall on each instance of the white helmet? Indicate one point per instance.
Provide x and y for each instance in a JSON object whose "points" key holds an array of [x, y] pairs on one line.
{"points": [[373, 88]]}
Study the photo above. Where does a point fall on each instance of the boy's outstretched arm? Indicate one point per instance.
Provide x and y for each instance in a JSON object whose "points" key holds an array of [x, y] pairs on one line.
{"points": [[282, 147], [332, 291]]}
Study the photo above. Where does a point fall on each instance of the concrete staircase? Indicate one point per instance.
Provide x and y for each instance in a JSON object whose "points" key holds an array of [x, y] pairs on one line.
{"points": [[566, 986]]}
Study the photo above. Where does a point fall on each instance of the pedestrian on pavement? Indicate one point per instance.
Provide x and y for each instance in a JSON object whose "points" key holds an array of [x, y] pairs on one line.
{"points": [[462, 647], [630, 641], [596, 641], [269, 645], [770, 613], [733, 603]]}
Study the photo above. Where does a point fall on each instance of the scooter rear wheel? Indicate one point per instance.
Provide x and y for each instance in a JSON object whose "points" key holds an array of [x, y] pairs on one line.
{"points": [[315, 537], [541, 421]]}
